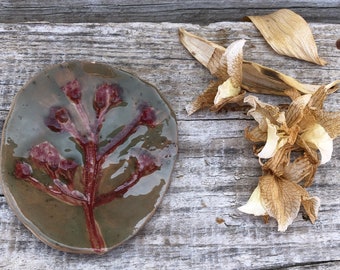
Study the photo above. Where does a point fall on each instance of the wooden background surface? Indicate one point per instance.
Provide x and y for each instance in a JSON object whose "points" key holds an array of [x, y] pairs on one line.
{"points": [[216, 171]]}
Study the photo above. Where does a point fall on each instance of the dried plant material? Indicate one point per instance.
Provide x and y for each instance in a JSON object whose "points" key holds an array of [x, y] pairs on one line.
{"points": [[206, 52], [254, 205], [254, 77], [288, 34], [282, 199], [224, 64], [298, 127], [264, 80], [231, 88], [303, 168], [317, 137], [291, 141]]}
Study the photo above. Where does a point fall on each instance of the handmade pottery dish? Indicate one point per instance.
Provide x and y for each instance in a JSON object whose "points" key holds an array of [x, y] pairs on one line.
{"points": [[87, 153]]}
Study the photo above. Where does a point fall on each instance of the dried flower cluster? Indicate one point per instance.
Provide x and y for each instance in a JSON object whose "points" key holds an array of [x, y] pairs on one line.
{"points": [[290, 143]]}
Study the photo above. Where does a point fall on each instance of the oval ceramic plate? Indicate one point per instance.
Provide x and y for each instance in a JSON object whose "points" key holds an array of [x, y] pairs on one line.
{"points": [[87, 153]]}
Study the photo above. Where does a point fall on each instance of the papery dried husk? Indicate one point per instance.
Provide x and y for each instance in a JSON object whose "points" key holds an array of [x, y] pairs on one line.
{"points": [[264, 80], [254, 205], [288, 34], [282, 198], [208, 53], [261, 111], [255, 77], [303, 168], [311, 205], [276, 165], [255, 134], [230, 100], [330, 122], [231, 88], [296, 109], [234, 58], [317, 137], [204, 100]]}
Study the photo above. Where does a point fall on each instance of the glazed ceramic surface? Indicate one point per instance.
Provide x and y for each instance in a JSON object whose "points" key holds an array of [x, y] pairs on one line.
{"points": [[87, 153]]}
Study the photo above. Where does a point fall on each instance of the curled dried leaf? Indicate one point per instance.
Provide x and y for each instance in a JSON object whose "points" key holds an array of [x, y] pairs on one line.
{"points": [[288, 34], [233, 56], [208, 53], [254, 77], [282, 199], [318, 138], [264, 80], [254, 205], [303, 168]]}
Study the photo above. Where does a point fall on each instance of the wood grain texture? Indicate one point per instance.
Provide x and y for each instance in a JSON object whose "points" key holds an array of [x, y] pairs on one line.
{"points": [[216, 170], [201, 12]]}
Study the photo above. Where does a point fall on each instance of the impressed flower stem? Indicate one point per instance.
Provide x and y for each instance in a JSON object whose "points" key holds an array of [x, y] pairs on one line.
{"points": [[47, 158]]}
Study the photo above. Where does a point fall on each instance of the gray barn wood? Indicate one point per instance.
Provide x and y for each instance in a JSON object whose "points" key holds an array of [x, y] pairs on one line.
{"points": [[216, 170], [186, 11]]}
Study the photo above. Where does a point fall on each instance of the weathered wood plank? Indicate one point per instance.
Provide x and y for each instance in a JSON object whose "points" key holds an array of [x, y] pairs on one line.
{"points": [[187, 11], [216, 170]]}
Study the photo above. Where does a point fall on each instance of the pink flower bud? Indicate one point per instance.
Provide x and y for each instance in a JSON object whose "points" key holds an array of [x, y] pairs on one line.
{"points": [[106, 96], [45, 154], [22, 170], [57, 118], [73, 91], [67, 168], [148, 116]]}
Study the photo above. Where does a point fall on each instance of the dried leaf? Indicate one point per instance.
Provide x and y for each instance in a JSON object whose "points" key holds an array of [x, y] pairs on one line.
{"points": [[317, 137], [255, 78], [261, 111], [295, 112], [264, 80], [238, 99], [281, 198], [232, 86], [302, 169], [208, 53], [272, 142], [204, 100], [311, 206], [288, 34], [254, 205], [330, 121], [255, 134]]}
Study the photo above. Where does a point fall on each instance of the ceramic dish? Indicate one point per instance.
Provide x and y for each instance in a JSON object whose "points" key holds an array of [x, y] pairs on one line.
{"points": [[87, 153]]}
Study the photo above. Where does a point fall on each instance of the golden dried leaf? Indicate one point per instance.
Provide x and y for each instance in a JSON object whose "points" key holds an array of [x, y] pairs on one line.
{"points": [[234, 59], [261, 111], [281, 198], [302, 169], [311, 206], [238, 99], [318, 138], [288, 34], [204, 100], [276, 165], [255, 78], [330, 121], [296, 109], [208, 53], [254, 205], [264, 80], [255, 134], [233, 56]]}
